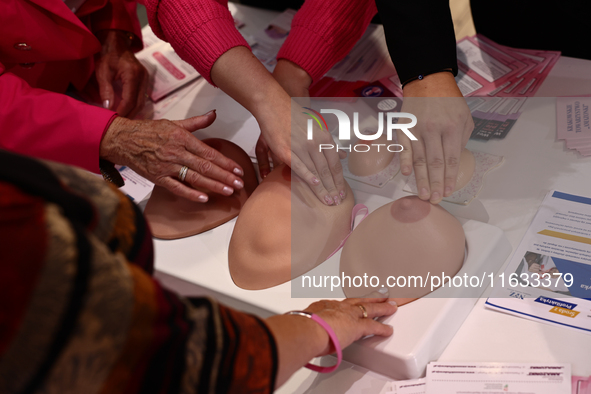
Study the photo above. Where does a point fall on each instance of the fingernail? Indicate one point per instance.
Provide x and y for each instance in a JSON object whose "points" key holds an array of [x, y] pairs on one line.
{"points": [[210, 112], [447, 191], [264, 174], [328, 200], [383, 290], [203, 198], [315, 181], [337, 201], [343, 194], [406, 170], [106, 104], [238, 171], [228, 190], [435, 197], [392, 303], [238, 184], [424, 193]]}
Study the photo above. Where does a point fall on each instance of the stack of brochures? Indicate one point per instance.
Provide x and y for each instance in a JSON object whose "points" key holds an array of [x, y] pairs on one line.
{"points": [[488, 69]]}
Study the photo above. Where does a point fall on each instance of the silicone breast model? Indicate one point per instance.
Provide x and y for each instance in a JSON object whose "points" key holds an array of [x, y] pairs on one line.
{"points": [[372, 161], [405, 238], [172, 217], [466, 169], [284, 231]]}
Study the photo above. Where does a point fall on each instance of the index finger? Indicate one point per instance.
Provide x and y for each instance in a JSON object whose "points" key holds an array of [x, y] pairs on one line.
{"points": [[129, 94]]}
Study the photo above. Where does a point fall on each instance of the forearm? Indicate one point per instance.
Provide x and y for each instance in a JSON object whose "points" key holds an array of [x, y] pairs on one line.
{"points": [[420, 36], [298, 340], [242, 76]]}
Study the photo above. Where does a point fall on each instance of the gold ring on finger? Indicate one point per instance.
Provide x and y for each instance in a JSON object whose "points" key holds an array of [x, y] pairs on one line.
{"points": [[363, 310], [183, 173]]}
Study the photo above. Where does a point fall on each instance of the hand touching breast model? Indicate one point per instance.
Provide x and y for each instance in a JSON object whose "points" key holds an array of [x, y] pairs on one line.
{"points": [[284, 231], [400, 240]]}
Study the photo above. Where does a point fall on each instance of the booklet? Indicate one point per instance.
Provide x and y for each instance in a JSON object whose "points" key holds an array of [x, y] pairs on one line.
{"points": [[167, 70], [573, 124], [548, 278], [487, 378]]}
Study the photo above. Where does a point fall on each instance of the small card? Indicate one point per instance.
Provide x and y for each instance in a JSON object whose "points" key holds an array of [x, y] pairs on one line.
{"points": [[506, 378]]}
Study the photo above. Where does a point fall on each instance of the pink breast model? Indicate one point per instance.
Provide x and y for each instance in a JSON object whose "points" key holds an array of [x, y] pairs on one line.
{"points": [[283, 232], [403, 239]]}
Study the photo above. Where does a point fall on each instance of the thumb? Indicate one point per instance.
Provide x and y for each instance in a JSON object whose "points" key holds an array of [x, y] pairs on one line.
{"points": [[197, 122]]}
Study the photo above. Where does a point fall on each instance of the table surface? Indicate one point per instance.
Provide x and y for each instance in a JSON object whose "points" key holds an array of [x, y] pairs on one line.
{"points": [[535, 163]]}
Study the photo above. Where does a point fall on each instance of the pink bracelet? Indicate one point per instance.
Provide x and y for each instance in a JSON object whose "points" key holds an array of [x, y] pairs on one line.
{"points": [[331, 335]]}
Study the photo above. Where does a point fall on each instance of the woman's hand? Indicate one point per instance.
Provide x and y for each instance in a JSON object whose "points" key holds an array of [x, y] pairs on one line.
{"points": [[444, 125], [299, 339], [347, 320], [242, 76], [117, 64], [158, 149]]}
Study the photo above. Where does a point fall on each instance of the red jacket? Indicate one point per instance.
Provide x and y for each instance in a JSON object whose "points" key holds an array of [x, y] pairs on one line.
{"points": [[45, 46]]}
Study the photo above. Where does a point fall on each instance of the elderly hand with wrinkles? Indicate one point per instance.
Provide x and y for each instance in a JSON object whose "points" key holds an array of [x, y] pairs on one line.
{"points": [[159, 150]]}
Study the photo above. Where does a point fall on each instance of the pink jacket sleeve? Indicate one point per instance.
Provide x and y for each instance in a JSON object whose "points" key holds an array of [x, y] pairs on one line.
{"points": [[200, 31], [324, 31], [119, 15], [49, 125]]}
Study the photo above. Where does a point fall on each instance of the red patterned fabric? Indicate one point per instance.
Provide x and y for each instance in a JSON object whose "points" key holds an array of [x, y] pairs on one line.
{"points": [[75, 290]]}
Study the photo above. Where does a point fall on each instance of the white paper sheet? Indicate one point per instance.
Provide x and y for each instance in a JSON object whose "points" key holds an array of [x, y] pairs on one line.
{"points": [[497, 378]]}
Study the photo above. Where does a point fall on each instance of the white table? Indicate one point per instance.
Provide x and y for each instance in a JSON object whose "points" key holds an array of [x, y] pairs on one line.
{"points": [[534, 164]]}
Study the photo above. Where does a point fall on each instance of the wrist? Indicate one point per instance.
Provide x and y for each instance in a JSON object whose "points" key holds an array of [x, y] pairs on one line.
{"points": [[440, 84], [320, 338], [110, 36], [109, 147], [294, 79]]}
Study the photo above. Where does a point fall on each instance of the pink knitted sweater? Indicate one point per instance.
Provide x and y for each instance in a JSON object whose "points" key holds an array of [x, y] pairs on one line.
{"points": [[200, 31]]}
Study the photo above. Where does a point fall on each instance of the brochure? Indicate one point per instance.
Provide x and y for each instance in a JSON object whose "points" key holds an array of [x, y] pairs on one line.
{"points": [[486, 378], [167, 70], [573, 124], [486, 68], [548, 279]]}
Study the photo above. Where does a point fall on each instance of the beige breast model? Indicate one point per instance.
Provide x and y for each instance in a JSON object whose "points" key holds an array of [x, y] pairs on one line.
{"points": [[406, 238], [373, 161], [283, 232], [172, 217], [466, 169]]}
